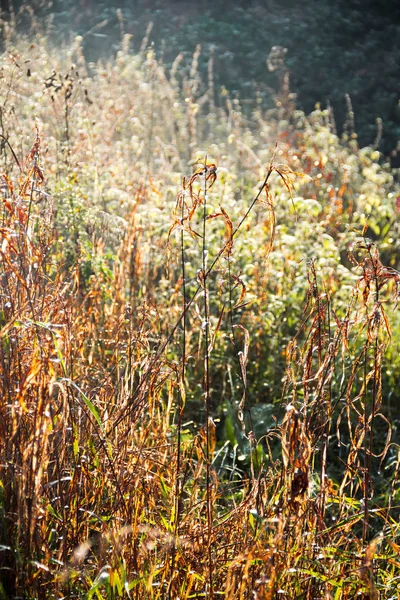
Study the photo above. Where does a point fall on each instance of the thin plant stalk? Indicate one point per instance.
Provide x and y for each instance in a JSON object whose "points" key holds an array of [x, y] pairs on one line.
{"points": [[207, 386], [369, 419], [181, 401], [181, 391]]}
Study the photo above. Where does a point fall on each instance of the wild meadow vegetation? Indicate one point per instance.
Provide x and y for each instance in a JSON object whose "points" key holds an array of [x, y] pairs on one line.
{"points": [[200, 342]]}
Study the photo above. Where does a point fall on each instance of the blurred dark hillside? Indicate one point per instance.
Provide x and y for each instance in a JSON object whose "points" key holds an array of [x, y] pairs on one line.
{"points": [[333, 48]]}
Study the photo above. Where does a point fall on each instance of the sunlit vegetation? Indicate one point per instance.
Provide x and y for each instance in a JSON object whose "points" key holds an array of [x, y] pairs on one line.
{"points": [[331, 48], [199, 338]]}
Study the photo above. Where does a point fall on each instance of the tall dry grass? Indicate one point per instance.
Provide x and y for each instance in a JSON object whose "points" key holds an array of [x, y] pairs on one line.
{"points": [[133, 306]]}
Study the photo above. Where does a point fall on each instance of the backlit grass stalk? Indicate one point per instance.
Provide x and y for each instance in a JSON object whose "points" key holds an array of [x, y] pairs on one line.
{"points": [[206, 385], [181, 404], [369, 417]]}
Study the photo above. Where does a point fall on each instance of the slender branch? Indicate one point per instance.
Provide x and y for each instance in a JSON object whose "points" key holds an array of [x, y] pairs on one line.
{"points": [[206, 384]]}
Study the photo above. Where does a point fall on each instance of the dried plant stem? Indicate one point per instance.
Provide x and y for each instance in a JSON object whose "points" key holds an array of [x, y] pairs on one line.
{"points": [[33, 185], [366, 457], [206, 384], [181, 403], [369, 417], [326, 415], [182, 388]]}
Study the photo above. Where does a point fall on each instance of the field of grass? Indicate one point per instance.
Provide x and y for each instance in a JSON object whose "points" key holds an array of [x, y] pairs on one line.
{"points": [[200, 341]]}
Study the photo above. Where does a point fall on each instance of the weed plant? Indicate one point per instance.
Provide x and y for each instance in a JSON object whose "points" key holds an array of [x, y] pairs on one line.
{"points": [[198, 376]]}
